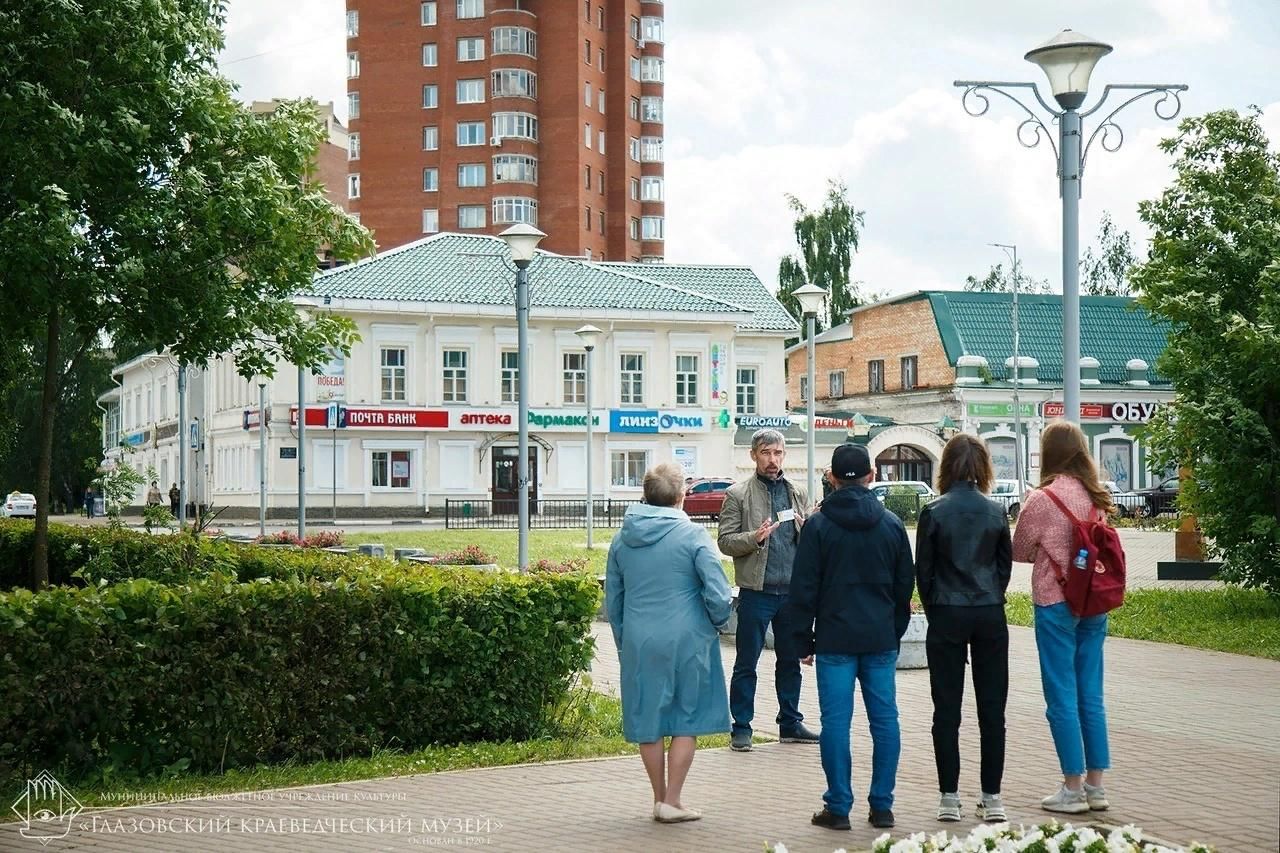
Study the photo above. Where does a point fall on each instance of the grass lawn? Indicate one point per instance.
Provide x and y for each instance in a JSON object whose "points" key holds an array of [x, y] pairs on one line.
{"points": [[1241, 621], [556, 545], [590, 726]]}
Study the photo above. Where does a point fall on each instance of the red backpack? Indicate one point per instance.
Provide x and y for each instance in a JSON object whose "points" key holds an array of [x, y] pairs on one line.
{"points": [[1099, 587]]}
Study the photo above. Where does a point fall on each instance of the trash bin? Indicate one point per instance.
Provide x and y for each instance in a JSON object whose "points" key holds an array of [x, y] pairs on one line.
{"points": [[466, 509]]}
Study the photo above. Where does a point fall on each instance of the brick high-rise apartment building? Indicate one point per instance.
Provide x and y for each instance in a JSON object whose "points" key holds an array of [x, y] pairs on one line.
{"points": [[470, 115]]}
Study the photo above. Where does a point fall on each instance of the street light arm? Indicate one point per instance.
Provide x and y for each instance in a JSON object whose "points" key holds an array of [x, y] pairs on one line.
{"points": [[1168, 92], [981, 103]]}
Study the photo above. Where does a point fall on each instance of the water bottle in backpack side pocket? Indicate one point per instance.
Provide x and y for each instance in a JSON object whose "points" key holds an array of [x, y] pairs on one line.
{"points": [[1081, 561]]}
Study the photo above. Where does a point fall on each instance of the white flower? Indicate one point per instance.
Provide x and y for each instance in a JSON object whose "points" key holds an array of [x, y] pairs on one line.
{"points": [[882, 842], [779, 848], [907, 845]]}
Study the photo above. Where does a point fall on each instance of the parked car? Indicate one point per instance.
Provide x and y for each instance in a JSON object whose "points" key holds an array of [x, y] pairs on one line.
{"points": [[19, 505], [705, 496], [1005, 493], [1161, 498], [881, 489], [1127, 503]]}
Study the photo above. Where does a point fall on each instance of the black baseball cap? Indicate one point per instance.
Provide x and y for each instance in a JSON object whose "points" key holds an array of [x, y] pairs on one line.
{"points": [[850, 462]]}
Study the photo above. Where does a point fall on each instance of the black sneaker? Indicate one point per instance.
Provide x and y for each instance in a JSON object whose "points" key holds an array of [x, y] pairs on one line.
{"points": [[797, 735], [881, 818], [740, 741], [828, 819]]}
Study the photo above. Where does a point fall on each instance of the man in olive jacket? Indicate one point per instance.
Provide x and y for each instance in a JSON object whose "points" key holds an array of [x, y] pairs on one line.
{"points": [[760, 525]]}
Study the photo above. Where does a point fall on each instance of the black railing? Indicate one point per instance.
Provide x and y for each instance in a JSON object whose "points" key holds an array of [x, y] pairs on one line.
{"points": [[544, 514]]}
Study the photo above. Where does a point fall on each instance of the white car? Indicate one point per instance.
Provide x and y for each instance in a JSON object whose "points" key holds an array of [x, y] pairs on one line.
{"points": [[1005, 493], [19, 505], [881, 489]]}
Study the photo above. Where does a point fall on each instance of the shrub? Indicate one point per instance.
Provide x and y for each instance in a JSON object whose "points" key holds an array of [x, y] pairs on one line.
{"points": [[472, 555], [570, 564], [299, 668], [904, 502], [321, 539]]}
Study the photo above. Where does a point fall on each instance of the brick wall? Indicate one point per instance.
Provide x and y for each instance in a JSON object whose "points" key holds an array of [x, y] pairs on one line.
{"points": [[888, 333]]}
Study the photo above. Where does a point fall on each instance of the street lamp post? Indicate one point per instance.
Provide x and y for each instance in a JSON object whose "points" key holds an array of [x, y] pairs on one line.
{"points": [[1017, 368], [1067, 60], [589, 335], [262, 458], [811, 297], [182, 445], [523, 241], [302, 452]]}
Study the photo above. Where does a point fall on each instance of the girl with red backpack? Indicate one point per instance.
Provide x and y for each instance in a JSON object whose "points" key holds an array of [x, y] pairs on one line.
{"points": [[1069, 644]]}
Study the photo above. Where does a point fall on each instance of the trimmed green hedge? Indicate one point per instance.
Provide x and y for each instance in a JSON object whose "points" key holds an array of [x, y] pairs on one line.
{"points": [[215, 673], [101, 554]]}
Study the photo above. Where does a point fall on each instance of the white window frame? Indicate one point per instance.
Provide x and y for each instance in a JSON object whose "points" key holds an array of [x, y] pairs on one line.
{"points": [[430, 55], [393, 371], [573, 377], [871, 387], [651, 109], [625, 385], [741, 404], [470, 9], [469, 90], [353, 105], [646, 453], [353, 64], [914, 361], [515, 125], [513, 83], [686, 381], [470, 49], [430, 96], [431, 137], [586, 135], [652, 188], [467, 173], [651, 29], [430, 179], [414, 457], [353, 185], [651, 149], [353, 146], [523, 164], [470, 208], [508, 377], [429, 14], [472, 138], [457, 374], [517, 41], [506, 210], [653, 228], [430, 220], [353, 23], [651, 69]]}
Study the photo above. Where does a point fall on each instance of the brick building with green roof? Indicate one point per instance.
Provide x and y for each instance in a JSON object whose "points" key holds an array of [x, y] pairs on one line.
{"points": [[934, 361]]}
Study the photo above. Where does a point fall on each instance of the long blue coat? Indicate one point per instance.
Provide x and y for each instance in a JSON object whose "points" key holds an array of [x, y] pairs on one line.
{"points": [[666, 595]]}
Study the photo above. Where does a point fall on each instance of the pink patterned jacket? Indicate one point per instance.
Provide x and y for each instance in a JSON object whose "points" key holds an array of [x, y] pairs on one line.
{"points": [[1042, 530]]}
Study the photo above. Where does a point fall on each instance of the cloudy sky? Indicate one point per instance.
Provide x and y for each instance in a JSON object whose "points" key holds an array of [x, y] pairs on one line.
{"points": [[768, 98]]}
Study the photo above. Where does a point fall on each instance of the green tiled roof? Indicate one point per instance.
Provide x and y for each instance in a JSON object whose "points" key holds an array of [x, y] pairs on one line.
{"points": [[738, 285], [1113, 329], [473, 270]]}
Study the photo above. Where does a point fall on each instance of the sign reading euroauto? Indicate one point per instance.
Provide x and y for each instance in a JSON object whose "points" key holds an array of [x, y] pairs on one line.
{"points": [[1125, 411], [371, 418], [764, 421], [562, 420], [653, 421]]}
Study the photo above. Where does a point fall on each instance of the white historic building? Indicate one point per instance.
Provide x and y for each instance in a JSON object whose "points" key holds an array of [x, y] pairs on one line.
{"points": [[426, 405]]}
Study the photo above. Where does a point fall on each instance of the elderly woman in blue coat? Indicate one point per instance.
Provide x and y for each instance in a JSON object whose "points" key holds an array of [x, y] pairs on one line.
{"points": [[667, 595]]}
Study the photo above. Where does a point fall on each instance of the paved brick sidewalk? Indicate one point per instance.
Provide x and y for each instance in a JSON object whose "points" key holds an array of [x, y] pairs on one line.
{"points": [[1194, 736]]}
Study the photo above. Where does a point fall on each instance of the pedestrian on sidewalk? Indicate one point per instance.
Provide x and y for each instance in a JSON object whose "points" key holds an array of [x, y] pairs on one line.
{"points": [[964, 558], [667, 596], [88, 502], [850, 605], [1069, 647], [174, 497], [760, 523]]}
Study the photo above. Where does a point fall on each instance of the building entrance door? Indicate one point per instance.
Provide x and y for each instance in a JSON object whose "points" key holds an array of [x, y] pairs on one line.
{"points": [[506, 480]]}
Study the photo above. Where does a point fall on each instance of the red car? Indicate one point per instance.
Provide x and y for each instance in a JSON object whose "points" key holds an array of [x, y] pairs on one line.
{"points": [[705, 496]]}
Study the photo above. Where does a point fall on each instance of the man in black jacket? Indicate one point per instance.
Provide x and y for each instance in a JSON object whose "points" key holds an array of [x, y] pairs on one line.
{"points": [[850, 604]]}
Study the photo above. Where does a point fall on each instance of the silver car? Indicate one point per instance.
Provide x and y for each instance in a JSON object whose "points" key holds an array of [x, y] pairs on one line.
{"points": [[1005, 493], [19, 505]]}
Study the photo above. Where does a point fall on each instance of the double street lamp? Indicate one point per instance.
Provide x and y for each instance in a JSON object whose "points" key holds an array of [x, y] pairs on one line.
{"points": [[523, 240], [811, 299], [589, 335], [1068, 60]]}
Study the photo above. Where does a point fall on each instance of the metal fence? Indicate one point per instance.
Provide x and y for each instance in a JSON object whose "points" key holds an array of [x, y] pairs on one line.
{"points": [[543, 515]]}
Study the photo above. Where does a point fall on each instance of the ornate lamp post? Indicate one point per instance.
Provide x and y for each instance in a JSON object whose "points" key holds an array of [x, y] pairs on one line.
{"points": [[589, 335], [811, 297], [1067, 60], [523, 240]]}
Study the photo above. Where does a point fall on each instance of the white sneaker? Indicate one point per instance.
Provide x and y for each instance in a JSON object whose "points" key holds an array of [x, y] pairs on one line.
{"points": [[1066, 801], [1096, 796], [667, 813], [991, 809], [949, 808]]}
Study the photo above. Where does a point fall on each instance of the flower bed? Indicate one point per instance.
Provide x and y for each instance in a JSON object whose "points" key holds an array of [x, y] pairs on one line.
{"points": [[1050, 837]]}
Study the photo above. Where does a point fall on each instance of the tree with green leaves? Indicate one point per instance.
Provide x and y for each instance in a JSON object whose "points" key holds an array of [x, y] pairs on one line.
{"points": [[140, 201], [1106, 273], [1000, 280], [827, 240], [1214, 274]]}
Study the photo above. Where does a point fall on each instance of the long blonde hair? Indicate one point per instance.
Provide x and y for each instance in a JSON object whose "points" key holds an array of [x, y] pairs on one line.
{"points": [[1064, 450]]}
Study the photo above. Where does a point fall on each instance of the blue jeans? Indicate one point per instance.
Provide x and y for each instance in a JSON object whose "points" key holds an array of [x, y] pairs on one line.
{"points": [[877, 675], [1070, 651], [755, 611]]}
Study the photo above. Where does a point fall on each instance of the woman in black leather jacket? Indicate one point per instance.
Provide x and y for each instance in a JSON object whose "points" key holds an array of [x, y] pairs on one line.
{"points": [[964, 557]]}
